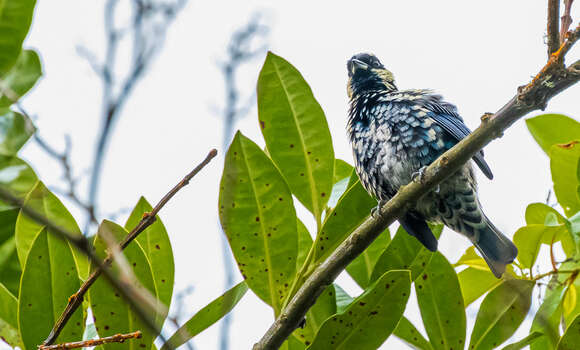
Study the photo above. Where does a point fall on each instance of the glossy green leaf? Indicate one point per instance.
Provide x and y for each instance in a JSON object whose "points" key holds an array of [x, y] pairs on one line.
{"points": [[20, 78], [47, 204], [296, 132], [475, 282], [304, 244], [9, 317], [342, 170], [539, 213], [361, 268], [408, 333], [472, 259], [207, 316], [49, 278], [343, 300], [157, 247], [441, 304], [530, 339], [405, 252], [350, 211], [370, 318], [15, 176], [528, 239], [571, 338], [552, 129], [15, 19], [501, 313], [111, 314], [547, 319], [10, 269], [564, 165], [324, 307], [258, 217], [15, 130]]}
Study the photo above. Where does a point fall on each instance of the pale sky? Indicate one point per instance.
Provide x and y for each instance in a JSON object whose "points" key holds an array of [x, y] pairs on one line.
{"points": [[475, 53]]}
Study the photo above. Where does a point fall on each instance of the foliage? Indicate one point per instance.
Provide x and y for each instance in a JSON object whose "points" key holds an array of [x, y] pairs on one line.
{"points": [[274, 250]]}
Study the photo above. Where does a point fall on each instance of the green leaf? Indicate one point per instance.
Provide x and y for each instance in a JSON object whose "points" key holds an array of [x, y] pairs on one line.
{"points": [[540, 213], [47, 204], [472, 259], [475, 282], [296, 132], [441, 304], [531, 338], [407, 332], [207, 316], [501, 313], [405, 252], [304, 244], [49, 278], [351, 210], [15, 176], [370, 318], [9, 318], [564, 164], [20, 78], [10, 269], [552, 129], [15, 130], [529, 238], [571, 337], [361, 268], [324, 307], [111, 314], [157, 247], [342, 170], [15, 19], [258, 217], [292, 344], [343, 300], [547, 319]]}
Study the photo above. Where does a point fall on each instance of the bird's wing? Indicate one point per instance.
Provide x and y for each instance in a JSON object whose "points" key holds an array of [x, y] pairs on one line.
{"points": [[446, 116]]}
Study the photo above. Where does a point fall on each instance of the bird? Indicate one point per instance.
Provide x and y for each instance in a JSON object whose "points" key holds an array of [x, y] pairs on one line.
{"points": [[395, 134]]}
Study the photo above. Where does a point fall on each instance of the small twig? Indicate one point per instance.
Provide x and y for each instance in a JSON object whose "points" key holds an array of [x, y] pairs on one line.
{"points": [[566, 20], [553, 26], [117, 338], [554, 272], [148, 218]]}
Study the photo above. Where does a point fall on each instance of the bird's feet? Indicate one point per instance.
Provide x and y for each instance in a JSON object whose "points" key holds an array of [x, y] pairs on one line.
{"points": [[375, 211], [419, 175]]}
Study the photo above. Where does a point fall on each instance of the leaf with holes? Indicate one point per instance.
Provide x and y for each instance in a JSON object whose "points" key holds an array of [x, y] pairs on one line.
{"points": [[111, 314], [21, 78], [405, 252], [501, 313], [207, 316], [49, 278], [258, 217], [155, 243], [369, 320], [296, 132], [441, 304], [15, 19]]}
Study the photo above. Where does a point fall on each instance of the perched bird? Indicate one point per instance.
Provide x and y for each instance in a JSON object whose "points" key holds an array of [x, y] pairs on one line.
{"points": [[395, 135]]}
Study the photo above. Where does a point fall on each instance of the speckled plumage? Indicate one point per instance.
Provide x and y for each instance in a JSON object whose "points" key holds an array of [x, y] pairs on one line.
{"points": [[394, 134]]}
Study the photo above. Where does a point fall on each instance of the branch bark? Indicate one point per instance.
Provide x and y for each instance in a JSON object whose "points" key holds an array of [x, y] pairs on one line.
{"points": [[551, 80], [148, 218], [117, 338], [553, 26], [566, 19]]}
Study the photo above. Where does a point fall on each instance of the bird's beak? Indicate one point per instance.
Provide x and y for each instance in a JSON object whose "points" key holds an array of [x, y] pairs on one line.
{"points": [[357, 65]]}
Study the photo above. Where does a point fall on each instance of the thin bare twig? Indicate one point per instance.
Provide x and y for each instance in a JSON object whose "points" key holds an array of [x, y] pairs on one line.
{"points": [[566, 19], [552, 79], [553, 26], [148, 218], [117, 338]]}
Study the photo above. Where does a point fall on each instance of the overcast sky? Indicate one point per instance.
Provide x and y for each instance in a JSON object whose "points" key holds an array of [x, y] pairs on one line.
{"points": [[475, 53]]}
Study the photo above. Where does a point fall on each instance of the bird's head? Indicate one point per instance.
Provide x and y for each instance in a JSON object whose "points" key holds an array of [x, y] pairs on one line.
{"points": [[366, 73]]}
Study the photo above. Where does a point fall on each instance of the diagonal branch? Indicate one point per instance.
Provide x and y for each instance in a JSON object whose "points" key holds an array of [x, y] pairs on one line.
{"points": [[117, 338], [552, 79], [148, 218]]}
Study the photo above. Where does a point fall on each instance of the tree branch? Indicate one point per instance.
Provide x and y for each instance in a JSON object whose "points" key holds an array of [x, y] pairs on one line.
{"points": [[566, 19], [551, 80], [117, 338], [553, 26], [148, 218]]}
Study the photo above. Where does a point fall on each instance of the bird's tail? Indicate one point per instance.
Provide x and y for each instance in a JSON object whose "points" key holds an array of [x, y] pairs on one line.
{"points": [[496, 249]]}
